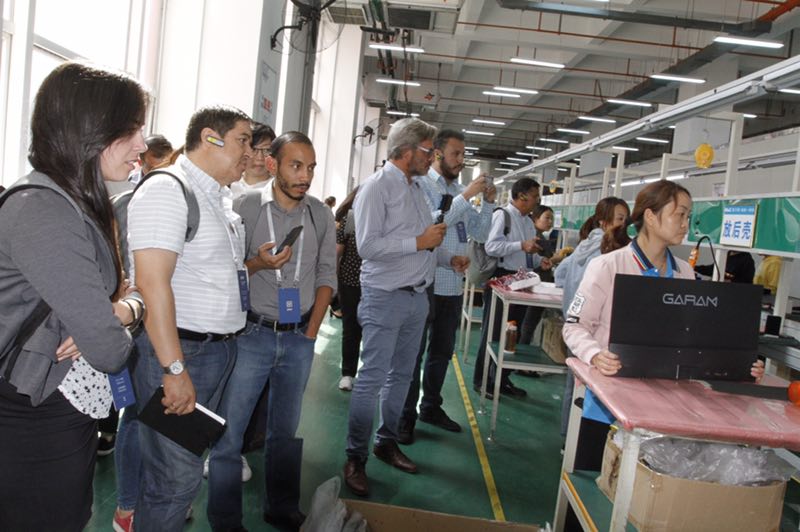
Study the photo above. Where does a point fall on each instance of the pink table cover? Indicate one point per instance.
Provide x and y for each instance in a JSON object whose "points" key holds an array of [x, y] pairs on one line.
{"points": [[523, 296], [690, 409]]}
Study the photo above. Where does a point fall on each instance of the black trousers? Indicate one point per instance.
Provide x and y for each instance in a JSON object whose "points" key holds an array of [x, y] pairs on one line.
{"points": [[349, 296]]}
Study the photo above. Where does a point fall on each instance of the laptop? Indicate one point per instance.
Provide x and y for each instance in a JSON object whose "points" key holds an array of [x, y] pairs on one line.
{"points": [[684, 329]]}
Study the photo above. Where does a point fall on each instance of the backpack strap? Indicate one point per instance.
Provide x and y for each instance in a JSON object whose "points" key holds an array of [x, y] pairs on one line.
{"points": [[506, 224], [192, 217], [249, 209]]}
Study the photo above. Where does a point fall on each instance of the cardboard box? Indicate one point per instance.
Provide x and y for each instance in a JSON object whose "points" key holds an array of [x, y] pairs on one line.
{"points": [[552, 342], [661, 502], [387, 518]]}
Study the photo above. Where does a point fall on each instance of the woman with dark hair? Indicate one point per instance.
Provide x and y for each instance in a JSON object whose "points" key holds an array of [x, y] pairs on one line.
{"points": [[349, 272], [59, 273]]}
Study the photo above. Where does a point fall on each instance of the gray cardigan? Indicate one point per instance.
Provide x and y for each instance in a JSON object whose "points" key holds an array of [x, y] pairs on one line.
{"points": [[50, 250]]}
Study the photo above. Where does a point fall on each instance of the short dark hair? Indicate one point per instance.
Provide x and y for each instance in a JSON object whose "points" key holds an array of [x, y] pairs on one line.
{"points": [[523, 185], [158, 146], [444, 136], [288, 138], [540, 210], [262, 132], [220, 118]]}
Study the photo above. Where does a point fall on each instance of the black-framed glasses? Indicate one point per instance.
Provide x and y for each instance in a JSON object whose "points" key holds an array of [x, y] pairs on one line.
{"points": [[263, 152]]}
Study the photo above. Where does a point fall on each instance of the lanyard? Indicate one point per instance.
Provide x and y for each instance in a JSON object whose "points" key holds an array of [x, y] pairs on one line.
{"points": [[278, 274], [232, 233], [646, 267]]}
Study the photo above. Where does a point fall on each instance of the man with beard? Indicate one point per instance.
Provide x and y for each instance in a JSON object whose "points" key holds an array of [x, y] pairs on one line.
{"points": [[255, 173], [399, 245], [462, 220], [290, 290], [194, 301]]}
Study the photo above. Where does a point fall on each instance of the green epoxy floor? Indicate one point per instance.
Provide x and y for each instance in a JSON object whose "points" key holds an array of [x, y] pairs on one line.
{"points": [[524, 457]]}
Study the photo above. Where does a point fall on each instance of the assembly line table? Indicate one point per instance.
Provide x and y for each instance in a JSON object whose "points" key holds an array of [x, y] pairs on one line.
{"points": [[525, 357], [677, 408]]}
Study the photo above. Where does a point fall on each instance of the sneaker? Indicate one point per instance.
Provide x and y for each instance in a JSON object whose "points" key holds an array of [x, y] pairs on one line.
{"points": [[346, 384], [247, 473], [105, 446], [122, 524]]}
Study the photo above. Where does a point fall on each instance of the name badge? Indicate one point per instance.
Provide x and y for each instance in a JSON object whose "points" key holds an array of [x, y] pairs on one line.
{"points": [[529, 261], [244, 289], [288, 305], [121, 389], [461, 229]]}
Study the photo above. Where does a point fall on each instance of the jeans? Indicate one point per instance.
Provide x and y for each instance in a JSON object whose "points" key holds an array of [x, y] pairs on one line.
{"points": [[171, 475], [127, 456], [515, 313], [349, 296], [441, 331], [392, 324], [284, 360]]}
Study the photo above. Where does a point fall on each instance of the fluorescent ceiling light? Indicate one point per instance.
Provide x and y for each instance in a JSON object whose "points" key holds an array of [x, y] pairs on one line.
{"points": [[676, 177], [539, 148], [534, 62], [398, 82], [501, 169], [515, 89], [629, 102], [563, 169], [598, 119], [484, 133], [401, 113], [517, 159], [653, 140], [557, 141], [573, 131], [671, 127], [489, 122], [749, 115], [471, 148], [397, 48], [790, 91], [524, 154], [508, 163], [503, 94], [624, 148], [749, 42], [682, 79], [468, 154], [631, 183]]}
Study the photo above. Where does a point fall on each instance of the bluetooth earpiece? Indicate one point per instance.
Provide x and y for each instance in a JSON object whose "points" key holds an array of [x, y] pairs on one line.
{"points": [[438, 156], [215, 141]]}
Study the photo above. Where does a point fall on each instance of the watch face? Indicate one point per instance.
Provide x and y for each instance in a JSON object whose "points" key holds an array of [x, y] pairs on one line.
{"points": [[176, 368]]}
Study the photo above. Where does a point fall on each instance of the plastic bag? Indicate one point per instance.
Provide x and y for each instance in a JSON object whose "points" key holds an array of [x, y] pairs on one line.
{"points": [[728, 464], [329, 514]]}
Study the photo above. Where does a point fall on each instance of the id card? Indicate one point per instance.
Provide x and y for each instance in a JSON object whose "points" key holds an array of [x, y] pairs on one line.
{"points": [[462, 232], [244, 289], [288, 305], [121, 389]]}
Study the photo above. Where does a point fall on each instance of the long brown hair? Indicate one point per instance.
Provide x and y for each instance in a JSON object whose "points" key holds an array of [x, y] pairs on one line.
{"points": [[603, 213]]}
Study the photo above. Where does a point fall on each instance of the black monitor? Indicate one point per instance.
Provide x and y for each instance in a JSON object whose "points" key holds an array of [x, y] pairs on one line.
{"points": [[684, 329]]}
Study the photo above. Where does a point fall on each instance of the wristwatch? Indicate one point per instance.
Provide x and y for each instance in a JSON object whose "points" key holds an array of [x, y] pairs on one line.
{"points": [[175, 368]]}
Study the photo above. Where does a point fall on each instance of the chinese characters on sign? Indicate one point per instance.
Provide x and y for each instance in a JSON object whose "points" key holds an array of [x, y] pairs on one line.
{"points": [[738, 225]]}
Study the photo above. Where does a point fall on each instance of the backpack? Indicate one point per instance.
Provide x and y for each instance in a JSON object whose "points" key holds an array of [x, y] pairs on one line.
{"points": [[120, 203], [482, 266]]}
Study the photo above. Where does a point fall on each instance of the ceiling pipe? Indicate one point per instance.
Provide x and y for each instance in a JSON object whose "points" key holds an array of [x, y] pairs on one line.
{"points": [[757, 26]]}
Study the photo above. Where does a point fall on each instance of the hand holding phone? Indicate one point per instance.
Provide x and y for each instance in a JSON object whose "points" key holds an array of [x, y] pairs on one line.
{"points": [[290, 238]]}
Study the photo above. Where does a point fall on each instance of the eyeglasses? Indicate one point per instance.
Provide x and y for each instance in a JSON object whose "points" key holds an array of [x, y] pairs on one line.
{"points": [[262, 152], [426, 151]]}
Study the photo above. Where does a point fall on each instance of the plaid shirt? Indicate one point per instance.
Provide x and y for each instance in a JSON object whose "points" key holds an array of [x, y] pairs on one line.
{"points": [[476, 223]]}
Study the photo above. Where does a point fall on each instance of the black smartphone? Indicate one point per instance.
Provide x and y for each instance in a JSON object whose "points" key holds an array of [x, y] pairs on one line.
{"points": [[290, 238]]}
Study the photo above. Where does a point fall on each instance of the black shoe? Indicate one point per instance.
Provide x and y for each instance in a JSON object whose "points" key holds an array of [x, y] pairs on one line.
{"points": [[105, 447], [390, 453], [477, 388], [290, 522], [507, 388], [405, 433], [439, 418]]}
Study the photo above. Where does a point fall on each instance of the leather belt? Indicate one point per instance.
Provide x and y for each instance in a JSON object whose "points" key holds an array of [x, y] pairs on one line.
{"points": [[263, 321], [412, 289], [185, 334]]}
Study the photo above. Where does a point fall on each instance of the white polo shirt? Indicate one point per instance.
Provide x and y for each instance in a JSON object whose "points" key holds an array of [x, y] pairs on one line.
{"points": [[205, 283]]}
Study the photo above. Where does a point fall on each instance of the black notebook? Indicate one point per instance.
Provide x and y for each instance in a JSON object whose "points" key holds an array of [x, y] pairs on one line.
{"points": [[194, 432]]}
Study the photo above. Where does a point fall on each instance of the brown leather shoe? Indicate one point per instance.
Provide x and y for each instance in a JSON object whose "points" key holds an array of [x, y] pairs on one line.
{"points": [[355, 476], [390, 453]]}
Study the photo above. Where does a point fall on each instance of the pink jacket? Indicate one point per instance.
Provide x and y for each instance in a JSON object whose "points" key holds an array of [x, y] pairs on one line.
{"points": [[589, 315]]}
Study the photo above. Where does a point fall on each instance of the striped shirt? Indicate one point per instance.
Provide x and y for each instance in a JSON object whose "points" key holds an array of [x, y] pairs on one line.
{"points": [[448, 281], [390, 213], [509, 247], [205, 282]]}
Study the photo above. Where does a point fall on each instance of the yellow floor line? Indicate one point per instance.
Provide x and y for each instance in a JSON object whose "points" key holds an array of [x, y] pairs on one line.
{"points": [[488, 478]]}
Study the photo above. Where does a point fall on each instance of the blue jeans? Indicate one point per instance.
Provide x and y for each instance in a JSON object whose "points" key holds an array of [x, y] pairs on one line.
{"points": [[392, 323], [171, 475], [284, 360], [127, 457]]}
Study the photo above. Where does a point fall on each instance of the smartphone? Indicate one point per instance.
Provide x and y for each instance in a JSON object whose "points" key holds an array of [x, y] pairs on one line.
{"points": [[290, 238]]}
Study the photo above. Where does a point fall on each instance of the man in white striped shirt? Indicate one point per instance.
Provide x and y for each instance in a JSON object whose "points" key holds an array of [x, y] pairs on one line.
{"points": [[400, 248], [196, 297]]}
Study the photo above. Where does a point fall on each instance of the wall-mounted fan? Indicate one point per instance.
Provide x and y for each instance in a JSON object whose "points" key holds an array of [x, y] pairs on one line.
{"points": [[374, 129], [308, 33]]}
